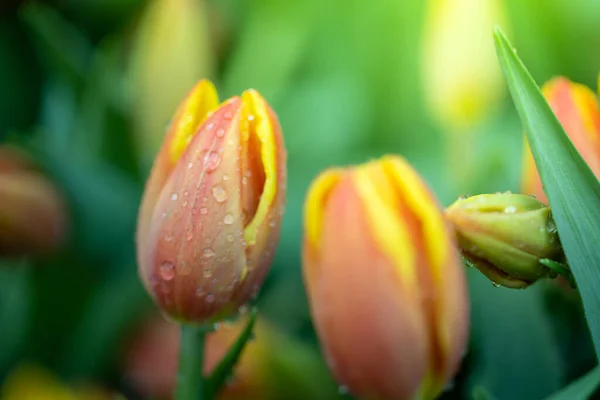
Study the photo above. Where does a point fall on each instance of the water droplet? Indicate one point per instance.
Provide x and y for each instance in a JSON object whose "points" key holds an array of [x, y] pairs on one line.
{"points": [[219, 194], [208, 253], [532, 195], [230, 238], [227, 115], [250, 117], [508, 192], [184, 204], [200, 292], [210, 297], [189, 236], [164, 215], [272, 223], [167, 270], [551, 227], [204, 199], [212, 159], [203, 210], [216, 326], [210, 125], [220, 132], [244, 180], [190, 165], [495, 284], [225, 177], [207, 272], [510, 209], [168, 238], [228, 220], [174, 196]]}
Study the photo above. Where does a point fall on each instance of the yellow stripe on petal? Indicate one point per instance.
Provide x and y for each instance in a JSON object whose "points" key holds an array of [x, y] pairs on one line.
{"points": [[391, 233], [200, 102], [418, 199], [255, 106], [314, 206]]}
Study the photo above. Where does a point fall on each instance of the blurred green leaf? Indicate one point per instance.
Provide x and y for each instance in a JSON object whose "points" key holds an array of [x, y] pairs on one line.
{"points": [[115, 306], [225, 367], [15, 310], [66, 48], [571, 187], [514, 355], [583, 388]]}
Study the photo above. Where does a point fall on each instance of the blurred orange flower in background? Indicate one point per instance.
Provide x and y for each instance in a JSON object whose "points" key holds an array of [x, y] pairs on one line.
{"points": [[33, 216], [578, 110]]}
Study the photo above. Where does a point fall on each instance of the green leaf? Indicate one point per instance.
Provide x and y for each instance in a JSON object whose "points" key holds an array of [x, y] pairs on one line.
{"points": [[572, 189], [225, 368], [582, 388]]}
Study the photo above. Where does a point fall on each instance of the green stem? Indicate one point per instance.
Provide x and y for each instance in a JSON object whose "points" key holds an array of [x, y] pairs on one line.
{"points": [[190, 381]]}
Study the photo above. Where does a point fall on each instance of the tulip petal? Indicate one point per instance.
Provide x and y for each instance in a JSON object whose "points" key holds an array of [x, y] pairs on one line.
{"points": [[202, 100], [257, 111]]}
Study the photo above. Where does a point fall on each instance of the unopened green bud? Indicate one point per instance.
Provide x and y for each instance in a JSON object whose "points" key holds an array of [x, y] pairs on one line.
{"points": [[505, 236]]}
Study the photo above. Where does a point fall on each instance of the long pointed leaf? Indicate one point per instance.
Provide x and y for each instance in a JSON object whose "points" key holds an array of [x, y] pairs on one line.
{"points": [[572, 189]]}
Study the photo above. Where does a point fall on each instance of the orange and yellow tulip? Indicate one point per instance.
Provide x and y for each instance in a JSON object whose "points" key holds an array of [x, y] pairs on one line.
{"points": [[385, 282], [210, 216], [578, 110], [32, 212]]}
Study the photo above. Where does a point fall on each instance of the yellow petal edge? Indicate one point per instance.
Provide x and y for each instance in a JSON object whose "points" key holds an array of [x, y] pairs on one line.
{"points": [[256, 106], [314, 207], [202, 100]]}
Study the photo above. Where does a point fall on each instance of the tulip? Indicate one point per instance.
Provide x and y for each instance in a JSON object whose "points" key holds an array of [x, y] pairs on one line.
{"points": [[32, 212], [578, 110], [210, 216], [385, 283], [167, 59], [505, 236], [272, 365], [462, 80]]}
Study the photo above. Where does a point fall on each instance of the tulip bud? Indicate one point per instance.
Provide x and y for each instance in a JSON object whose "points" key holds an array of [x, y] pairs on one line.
{"points": [[385, 284], [578, 110], [505, 236], [210, 216], [167, 59], [32, 213]]}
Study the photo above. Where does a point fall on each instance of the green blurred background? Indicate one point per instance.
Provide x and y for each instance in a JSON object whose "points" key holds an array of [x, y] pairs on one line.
{"points": [[88, 88]]}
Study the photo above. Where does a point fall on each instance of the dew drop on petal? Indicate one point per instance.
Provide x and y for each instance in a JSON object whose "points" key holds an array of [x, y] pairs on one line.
{"points": [[208, 253], [174, 196], [510, 209], [230, 238], [207, 272], [212, 159], [228, 220], [219, 194], [167, 270], [220, 132], [210, 297], [203, 210]]}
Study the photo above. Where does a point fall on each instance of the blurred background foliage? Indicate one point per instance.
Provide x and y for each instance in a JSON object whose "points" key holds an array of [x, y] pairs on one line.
{"points": [[88, 88]]}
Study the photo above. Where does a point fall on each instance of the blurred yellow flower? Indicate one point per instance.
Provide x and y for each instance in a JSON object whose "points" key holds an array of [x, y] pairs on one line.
{"points": [[172, 51], [462, 79], [29, 382]]}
